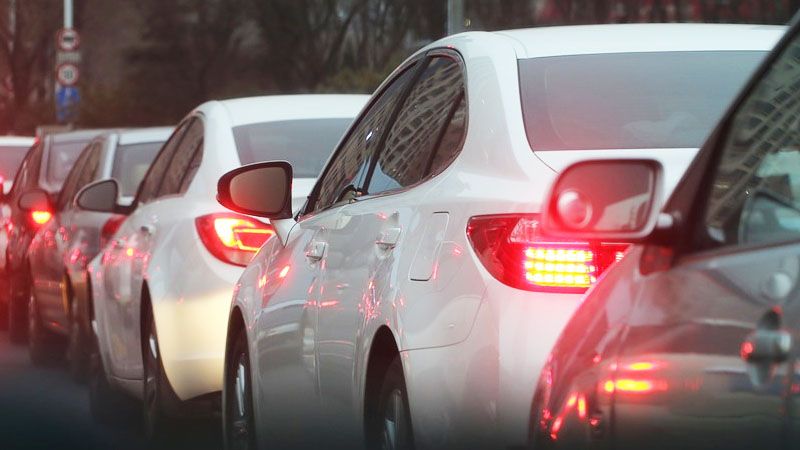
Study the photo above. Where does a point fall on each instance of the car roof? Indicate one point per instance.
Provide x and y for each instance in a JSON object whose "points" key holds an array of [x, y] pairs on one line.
{"points": [[650, 37], [77, 135], [142, 135], [243, 111], [17, 141]]}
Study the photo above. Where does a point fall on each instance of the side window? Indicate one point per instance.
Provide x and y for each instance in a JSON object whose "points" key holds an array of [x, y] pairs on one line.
{"points": [[755, 194], [179, 166], [194, 164], [427, 131], [148, 190], [350, 164], [71, 183]]}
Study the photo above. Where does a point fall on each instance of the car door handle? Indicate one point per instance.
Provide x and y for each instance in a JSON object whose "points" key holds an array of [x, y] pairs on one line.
{"points": [[148, 229], [766, 347], [388, 238], [316, 250]]}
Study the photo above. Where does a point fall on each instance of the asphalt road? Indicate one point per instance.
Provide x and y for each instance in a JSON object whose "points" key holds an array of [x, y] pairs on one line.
{"points": [[43, 408]]}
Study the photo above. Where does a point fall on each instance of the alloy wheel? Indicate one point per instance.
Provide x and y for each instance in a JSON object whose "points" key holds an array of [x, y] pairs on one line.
{"points": [[241, 415]]}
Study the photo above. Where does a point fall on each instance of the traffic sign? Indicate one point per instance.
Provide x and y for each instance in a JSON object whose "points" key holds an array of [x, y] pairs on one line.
{"points": [[68, 39], [67, 100], [67, 74]]}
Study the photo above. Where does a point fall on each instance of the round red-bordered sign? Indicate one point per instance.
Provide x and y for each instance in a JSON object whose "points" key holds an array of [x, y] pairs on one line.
{"points": [[68, 39], [67, 74]]}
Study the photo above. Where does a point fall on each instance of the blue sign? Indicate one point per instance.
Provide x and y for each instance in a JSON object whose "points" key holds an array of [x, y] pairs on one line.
{"points": [[67, 100]]}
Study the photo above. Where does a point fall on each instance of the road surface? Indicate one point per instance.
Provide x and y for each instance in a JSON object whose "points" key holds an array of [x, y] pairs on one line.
{"points": [[42, 408]]}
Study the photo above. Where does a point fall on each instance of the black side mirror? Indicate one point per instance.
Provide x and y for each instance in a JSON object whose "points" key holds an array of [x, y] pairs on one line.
{"points": [[35, 200], [609, 200], [100, 196], [262, 189]]}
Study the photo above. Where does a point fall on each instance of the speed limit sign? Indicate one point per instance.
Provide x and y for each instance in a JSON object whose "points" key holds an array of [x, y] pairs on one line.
{"points": [[67, 74]]}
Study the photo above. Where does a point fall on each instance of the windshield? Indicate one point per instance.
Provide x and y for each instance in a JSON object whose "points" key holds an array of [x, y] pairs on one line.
{"points": [[305, 143], [629, 100], [131, 163], [10, 159], [61, 158]]}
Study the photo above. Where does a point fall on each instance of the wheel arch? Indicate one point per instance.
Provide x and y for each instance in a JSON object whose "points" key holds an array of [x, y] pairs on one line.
{"points": [[382, 351]]}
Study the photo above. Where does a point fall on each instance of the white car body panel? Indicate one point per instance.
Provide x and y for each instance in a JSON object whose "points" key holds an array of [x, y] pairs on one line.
{"points": [[189, 288], [471, 347]]}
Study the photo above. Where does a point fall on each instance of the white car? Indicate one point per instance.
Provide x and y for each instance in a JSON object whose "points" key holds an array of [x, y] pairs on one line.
{"points": [[161, 289], [12, 151], [412, 301]]}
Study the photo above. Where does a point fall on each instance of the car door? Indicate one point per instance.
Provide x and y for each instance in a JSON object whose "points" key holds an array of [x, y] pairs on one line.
{"points": [[119, 261], [370, 251], [711, 346]]}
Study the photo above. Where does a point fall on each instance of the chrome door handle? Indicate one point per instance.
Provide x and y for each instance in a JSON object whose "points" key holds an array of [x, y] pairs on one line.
{"points": [[766, 347], [147, 229], [388, 238], [316, 250]]}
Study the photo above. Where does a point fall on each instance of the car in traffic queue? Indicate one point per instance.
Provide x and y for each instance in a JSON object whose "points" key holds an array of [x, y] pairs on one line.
{"points": [[62, 248], [413, 299], [36, 184], [691, 341], [12, 152], [161, 290]]}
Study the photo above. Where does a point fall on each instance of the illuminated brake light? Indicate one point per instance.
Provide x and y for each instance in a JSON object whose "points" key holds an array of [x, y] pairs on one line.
{"points": [[513, 251], [41, 217], [634, 386], [233, 238]]}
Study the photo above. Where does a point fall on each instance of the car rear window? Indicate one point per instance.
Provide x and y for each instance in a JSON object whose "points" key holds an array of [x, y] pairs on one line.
{"points": [[10, 159], [131, 163], [629, 100], [305, 143], [61, 158]]}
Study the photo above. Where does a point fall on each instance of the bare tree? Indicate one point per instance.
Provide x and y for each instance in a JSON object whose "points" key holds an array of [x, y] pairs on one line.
{"points": [[27, 30]]}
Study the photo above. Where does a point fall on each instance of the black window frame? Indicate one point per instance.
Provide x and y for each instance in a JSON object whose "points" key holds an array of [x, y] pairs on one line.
{"points": [[421, 61], [177, 134]]}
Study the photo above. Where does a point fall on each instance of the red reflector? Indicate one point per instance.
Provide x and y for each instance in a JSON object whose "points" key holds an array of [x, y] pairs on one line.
{"points": [[233, 238], [512, 250], [41, 217]]}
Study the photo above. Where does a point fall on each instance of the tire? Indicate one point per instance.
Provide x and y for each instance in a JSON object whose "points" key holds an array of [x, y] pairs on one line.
{"points": [[237, 413], [17, 314], [391, 427], [107, 405], [155, 420], [43, 346], [77, 348]]}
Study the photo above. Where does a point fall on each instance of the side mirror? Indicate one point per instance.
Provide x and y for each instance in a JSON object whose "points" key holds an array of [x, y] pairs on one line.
{"points": [[262, 189], [609, 200], [34, 200], [100, 196]]}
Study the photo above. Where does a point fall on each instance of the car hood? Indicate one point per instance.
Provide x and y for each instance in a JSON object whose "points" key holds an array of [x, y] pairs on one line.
{"points": [[674, 160]]}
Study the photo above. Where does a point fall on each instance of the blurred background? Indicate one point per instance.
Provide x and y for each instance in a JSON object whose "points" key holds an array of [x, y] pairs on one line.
{"points": [[184, 52]]}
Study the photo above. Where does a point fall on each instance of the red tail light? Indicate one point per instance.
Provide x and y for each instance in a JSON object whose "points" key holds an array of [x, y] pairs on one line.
{"points": [[39, 218], [233, 238], [110, 228], [512, 250]]}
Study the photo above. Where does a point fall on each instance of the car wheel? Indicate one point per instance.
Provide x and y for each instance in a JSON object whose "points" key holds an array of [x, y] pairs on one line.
{"points": [[76, 350], [43, 346], [154, 417], [17, 316], [238, 397], [106, 404], [392, 424]]}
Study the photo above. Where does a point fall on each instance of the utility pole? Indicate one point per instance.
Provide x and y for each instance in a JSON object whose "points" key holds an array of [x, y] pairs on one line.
{"points": [[67, 14], [455, 16]]}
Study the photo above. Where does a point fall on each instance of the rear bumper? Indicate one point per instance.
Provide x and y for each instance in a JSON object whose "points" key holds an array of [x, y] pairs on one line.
{"points": [[478, 393], [192, 329]]}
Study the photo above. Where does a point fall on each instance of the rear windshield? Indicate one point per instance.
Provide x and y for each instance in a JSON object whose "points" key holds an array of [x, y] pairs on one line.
{"points": [[10, 159], [305, 143], [61, 158], [629, 100], [131, 163]]}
